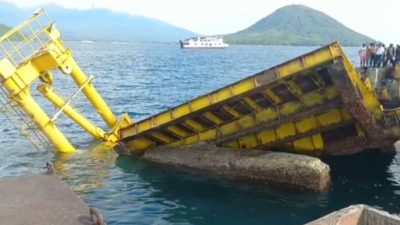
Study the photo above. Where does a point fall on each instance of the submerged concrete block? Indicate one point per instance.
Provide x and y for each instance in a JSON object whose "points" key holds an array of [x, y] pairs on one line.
{"points": [[276, 168], [358, 215]]}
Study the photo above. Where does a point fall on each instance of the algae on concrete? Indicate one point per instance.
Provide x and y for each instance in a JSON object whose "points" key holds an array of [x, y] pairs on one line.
{"points": [[276, 168]]}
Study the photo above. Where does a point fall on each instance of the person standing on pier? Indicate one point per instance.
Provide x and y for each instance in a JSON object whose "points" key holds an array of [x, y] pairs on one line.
{"points": [[397, 54], [378, 55], [370, 55], [390, 55], [363, 55]]}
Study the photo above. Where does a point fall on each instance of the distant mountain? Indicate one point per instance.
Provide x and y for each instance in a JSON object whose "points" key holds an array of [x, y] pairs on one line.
{"points": [[99, 24], [3, 29], [297, 25]]}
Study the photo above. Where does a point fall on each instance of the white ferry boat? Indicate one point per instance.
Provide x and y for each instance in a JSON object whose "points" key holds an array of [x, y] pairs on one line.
{"points": [[212, 42]]}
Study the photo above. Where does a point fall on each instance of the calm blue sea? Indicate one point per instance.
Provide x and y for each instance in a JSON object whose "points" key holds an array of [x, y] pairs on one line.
{"points": [[143, 79]]}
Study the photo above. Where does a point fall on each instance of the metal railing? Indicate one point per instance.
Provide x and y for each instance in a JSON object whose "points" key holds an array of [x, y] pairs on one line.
{"points": [[17, 46], [26, 39], [24, 123]]}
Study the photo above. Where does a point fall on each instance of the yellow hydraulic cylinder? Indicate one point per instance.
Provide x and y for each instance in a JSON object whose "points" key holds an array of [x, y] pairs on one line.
{"points": [[47, 92], [91, 93]]}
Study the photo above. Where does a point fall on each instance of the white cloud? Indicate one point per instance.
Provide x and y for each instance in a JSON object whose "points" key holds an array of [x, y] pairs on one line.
{"points": [[377, 20]]}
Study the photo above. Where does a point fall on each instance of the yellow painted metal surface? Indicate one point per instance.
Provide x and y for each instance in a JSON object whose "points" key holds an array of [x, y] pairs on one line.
{"points": [[47, 91], [297, 105], [31, 51]]}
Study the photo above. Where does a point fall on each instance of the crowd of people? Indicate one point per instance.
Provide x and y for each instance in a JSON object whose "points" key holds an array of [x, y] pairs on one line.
{"points": [[378, 55]]}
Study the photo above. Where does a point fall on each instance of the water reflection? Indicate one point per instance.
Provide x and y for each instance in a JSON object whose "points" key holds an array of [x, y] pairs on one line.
{"points": [[394, 173], [86, 169], [189, 197], [131, 190], [365, 178]]}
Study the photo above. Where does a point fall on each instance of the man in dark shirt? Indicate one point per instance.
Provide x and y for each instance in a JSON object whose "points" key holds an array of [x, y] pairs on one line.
{"points": [[390, 55], [397, 54]]}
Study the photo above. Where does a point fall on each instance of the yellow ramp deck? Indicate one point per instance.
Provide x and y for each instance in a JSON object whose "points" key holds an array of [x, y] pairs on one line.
{"points": [[314, 104]]}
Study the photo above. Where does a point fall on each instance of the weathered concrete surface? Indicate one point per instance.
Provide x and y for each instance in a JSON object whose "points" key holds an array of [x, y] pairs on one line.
{"points": [[40, 200], [295, 171], [358, 215], [384, 78]]}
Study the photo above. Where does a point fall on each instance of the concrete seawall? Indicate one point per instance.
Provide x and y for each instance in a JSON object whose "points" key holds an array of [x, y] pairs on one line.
{"points": [[275, 168]]}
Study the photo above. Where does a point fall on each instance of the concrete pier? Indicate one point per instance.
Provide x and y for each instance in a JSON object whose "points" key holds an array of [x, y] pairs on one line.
{"points": [[275, 168], [358, 215], [43, 200]]}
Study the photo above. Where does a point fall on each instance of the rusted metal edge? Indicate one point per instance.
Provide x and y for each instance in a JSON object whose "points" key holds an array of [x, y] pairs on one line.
{"points": [[353, 103]]}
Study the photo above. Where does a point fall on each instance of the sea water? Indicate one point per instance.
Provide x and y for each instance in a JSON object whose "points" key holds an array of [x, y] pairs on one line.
{"points": [[144, 79]]}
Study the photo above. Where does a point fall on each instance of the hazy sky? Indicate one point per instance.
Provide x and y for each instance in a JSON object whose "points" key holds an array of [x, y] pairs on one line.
{"points": [[377, 19]]}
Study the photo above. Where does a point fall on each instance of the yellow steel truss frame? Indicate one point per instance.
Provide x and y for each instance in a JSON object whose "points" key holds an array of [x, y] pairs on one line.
{"points": [[165, 128], [32, 50]]}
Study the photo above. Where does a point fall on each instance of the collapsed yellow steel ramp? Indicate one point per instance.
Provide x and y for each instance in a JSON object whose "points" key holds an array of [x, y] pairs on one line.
{"points": [[315, 104]]}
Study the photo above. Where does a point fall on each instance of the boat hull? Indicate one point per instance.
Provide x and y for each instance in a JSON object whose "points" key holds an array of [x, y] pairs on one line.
{"points": [[195, 47], [203, 43]]}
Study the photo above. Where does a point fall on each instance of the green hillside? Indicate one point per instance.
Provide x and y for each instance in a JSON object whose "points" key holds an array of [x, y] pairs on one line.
{"points": [[3, 29], [297, 25]]}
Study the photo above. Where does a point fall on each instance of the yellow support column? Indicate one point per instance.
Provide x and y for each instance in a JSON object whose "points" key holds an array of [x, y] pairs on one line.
{"points": [[30, 106], [47, 92], [91, 93], [18, 88]]}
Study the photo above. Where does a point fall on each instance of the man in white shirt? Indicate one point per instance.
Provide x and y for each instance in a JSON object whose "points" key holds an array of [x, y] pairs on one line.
{"points": [[378, 55]]}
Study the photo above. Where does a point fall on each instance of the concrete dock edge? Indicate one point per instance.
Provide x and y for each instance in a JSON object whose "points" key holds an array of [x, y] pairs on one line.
{"points": [[42, 199], [275, 168]]}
